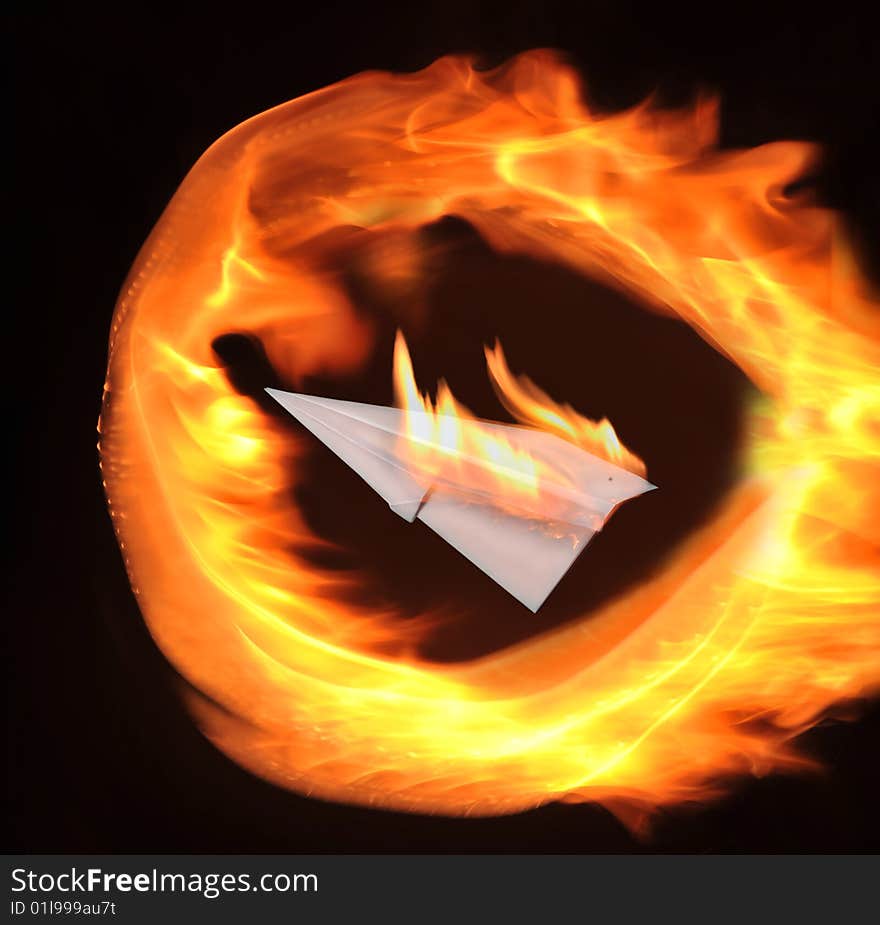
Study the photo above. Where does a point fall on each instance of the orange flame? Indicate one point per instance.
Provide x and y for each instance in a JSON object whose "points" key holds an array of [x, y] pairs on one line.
{"points": [[529, 405], [758, 625]]}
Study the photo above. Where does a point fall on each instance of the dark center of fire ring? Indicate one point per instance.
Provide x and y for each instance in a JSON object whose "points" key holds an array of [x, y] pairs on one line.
{"points": [[671, 397]]}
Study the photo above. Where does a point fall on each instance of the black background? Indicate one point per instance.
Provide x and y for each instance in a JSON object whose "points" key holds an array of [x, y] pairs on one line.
{"points": [[111, 110]]}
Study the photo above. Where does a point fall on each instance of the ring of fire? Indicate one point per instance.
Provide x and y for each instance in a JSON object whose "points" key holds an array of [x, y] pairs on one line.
{"points": [[756, 628]]}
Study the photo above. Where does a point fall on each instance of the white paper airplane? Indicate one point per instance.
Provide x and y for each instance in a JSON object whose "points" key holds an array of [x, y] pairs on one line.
{"points": [[527, 544]]}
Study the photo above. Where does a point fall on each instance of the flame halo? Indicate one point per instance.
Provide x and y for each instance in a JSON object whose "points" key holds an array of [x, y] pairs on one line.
{"points": [[757, 626]]}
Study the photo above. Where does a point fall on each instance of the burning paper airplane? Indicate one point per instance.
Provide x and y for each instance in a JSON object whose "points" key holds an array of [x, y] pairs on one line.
{"points": [[520, 503]]}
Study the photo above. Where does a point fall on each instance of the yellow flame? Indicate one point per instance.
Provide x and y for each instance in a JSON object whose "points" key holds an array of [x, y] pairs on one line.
{"points": [[438, 443]]}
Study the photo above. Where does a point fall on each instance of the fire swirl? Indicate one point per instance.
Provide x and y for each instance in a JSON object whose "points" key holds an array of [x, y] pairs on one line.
{"points": [[758, 625]]}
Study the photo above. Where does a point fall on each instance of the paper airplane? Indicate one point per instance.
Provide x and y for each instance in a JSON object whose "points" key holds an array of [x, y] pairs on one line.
{"points": [[524, 543]]}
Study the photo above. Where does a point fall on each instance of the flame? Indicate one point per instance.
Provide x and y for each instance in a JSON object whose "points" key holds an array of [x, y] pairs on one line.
{"points": [[529, 405], [443, 439], [439, 440], [756, 627]]}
